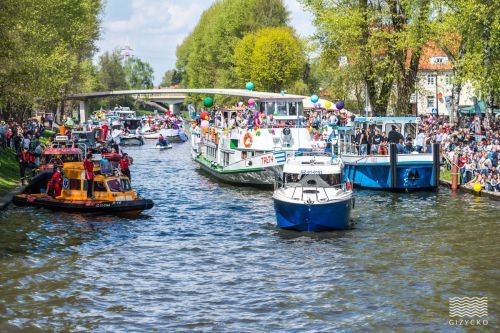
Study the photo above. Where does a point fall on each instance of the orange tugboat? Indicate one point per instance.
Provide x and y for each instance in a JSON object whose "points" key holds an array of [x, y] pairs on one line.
{"points": [[112, 193]]}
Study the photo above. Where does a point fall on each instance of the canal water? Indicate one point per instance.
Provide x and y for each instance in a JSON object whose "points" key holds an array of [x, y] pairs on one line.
{"points": [[209, 258]]}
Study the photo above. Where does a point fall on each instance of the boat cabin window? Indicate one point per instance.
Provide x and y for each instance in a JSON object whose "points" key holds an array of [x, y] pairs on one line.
{"points": [[125, 185], [388, 127], [100, 187], [332, 179], [281, 109], [410, 130], [115, 185], [292, 109], [75, 184]]}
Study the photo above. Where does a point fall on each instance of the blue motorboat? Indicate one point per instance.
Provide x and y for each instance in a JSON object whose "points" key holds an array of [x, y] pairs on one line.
{"points": [[311, 195], [388, 166]]}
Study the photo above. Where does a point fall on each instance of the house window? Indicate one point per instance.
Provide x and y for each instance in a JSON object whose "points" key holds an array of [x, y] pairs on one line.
{"points": [[430, 79], [447, 79], [431, 101], [439, 60]]}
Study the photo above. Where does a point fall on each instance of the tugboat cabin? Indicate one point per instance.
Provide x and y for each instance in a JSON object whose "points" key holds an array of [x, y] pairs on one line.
{"points": [[107, 187]]}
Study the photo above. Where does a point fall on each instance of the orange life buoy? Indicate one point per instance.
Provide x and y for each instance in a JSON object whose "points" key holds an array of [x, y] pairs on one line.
{"points": [[247, 140]]}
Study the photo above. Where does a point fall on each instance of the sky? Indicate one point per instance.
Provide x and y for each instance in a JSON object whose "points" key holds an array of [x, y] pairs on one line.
{"points": [[154, 28]]}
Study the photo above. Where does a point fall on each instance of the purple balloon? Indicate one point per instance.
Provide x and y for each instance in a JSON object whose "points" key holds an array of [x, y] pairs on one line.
{"points": [[339, 105]]}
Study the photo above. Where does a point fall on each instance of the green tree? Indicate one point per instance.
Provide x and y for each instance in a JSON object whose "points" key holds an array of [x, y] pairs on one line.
{"points": [[469, 33], [205, 58], [171, 77], [139, 74], [44, 51], [272, 58], [381, 40]]}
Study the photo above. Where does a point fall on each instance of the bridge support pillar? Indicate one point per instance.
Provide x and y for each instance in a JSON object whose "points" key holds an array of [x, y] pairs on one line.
{"points": [[83, 111], [174, 108]]}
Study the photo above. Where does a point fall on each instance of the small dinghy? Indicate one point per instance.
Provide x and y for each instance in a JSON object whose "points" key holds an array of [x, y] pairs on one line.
{"points": [[311, 195], [162, 147]]}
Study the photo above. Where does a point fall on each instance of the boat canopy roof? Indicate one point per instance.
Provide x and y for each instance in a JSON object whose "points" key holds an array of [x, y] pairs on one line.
{"points": [[62, 151], [385, 119], [313, 165]]}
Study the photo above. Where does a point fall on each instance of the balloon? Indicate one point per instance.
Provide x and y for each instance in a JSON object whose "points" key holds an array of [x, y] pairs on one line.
{"points": [[251, 102], [275, 113], [317, 105], [477, 187], [240, 103], [226, 130], [257, 133], [328, 104], [339, 105], [314, 98], [208, 102], [204, 124], [204, 115], [249, 86], [310, 129]]}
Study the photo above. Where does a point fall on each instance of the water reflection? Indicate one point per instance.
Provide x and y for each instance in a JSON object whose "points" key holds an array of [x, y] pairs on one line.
{"points": [[209, 258]]}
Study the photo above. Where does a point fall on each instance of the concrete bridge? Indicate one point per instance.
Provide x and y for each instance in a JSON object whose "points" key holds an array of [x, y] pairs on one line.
{"points": [[172, 97]]}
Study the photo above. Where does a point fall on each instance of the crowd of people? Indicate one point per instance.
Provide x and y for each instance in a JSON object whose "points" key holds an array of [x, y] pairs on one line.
{"points": [[24, 139], [475, 143]]}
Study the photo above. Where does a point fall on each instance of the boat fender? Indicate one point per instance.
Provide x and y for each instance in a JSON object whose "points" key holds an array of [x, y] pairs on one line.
{"points": [[248, 140], [286, 131], [348, 184]]}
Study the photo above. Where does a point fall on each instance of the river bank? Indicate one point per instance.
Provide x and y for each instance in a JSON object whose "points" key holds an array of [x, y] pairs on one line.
{"points": [[9, 170]]}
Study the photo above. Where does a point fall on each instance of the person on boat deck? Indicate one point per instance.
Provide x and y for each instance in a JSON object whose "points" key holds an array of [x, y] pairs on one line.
{"points": [[55, 185], [89, 175], [105, 130], [375, 141], [124, 166], [400, 146], [394, 135]]}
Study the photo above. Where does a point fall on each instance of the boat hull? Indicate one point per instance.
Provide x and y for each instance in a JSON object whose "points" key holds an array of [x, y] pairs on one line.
{"points": [[261, 177], [409, 177], [413, 172], [90, 206], [131, 141], [314, 217]]}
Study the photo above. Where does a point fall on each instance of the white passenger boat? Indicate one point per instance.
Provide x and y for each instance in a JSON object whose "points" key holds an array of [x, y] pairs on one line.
{"points": [[252, 156]]}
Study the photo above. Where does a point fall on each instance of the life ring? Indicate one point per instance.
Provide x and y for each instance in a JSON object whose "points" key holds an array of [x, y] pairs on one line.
{"points": [[247, 140]]}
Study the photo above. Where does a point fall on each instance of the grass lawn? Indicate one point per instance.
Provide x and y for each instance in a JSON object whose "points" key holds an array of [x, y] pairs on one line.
{"points": [[9, 170]]}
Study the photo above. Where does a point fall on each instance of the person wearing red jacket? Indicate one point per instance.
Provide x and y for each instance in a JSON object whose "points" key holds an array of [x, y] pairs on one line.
{"points": [[105, 130], [55, 185], [26, 160], [124, 166], [89, 175]]}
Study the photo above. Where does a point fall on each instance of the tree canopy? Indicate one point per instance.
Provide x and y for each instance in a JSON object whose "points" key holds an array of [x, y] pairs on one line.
{"points": [[45, 51], [272, 58], [205, 58]]}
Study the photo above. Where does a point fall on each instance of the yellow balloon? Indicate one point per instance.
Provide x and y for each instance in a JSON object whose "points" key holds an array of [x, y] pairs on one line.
{"points": [[310, 129], [477, 187], [328, 104], [226, 130]]}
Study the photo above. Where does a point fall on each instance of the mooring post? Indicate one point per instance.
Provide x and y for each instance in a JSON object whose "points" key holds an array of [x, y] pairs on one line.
{"points": [[393, 159], [454, 173], [436, 160]]}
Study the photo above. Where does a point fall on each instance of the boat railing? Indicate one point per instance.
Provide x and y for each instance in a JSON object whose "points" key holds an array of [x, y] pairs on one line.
{"points": [[279, 183]]}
